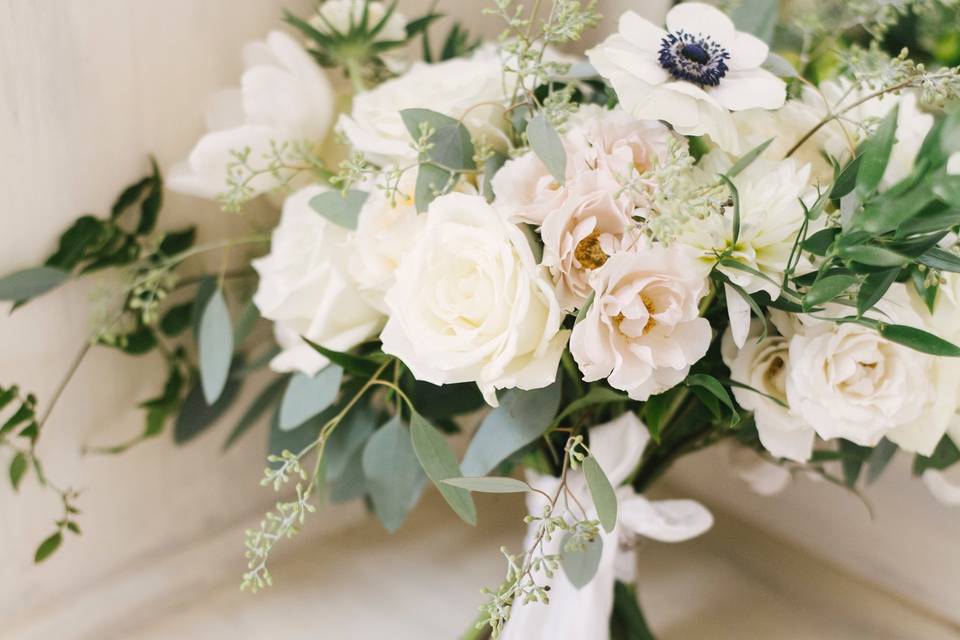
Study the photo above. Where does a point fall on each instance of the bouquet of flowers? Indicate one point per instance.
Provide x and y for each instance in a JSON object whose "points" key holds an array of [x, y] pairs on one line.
{"points": [[598, 265]]}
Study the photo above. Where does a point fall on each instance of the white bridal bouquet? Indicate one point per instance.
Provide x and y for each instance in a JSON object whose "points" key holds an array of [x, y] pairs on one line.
{"points": [[596, 264]]}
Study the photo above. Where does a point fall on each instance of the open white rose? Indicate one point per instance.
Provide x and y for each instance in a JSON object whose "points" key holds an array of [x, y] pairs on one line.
{"points": [[469, 88], [470, 303], [691, 75], [763, 365], [644, 330], [285, 97], [596, 139], [306, 290], [847, 381], [580, 235]]}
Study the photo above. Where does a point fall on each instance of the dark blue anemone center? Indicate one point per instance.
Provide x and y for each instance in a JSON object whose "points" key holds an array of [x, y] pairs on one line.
{"points": [[695, 58]]}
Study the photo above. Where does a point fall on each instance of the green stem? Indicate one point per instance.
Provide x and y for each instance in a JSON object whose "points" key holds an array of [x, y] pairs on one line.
{"points": [[355, 75]]}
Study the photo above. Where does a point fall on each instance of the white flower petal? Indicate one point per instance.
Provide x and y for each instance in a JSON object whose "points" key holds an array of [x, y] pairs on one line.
{"points": [[700, 18], [749, 89], [942, 489], [640, 32], [618, 445], [739, 312], [665, 520], [747, 51]]}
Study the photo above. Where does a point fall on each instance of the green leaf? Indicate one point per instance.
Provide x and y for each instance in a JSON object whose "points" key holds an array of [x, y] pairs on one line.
{"points": [[876, 154], [873, 288], [295, 440], [307, 396], [879, 459], [196, 416], [584, 308], [604, 497], [259, 407], [580, 565], [945, 455], [357, 365], [490, 484], [18, 467], [941, 260], [847, 180], [341, 209], [177, 319], [431, 182], [439, 463], [521, 418], [779, 66], [30, 283], [627, 622], [349, 437], [129, 197], [919, 340], [713, 385], [205, 290], [451, 147], [758, 17], [85, 238], [215, 343], [593, 397], [47, 547], [546, 143], [853, 458], [437, 402], [150, 207], [175, 242], [245, 323], [490, 167], [826, 289], [393, 475], [820, 242], [735, 196], [947, 188], [21, 415], [747, 159], [873, 256]]}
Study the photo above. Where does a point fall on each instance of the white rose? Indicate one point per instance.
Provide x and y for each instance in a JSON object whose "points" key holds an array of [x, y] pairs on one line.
{"points": [[306, 290], [341, 14], [644, 330], [763, 365], [847, 381], [470, 303], [691, 75], [597, 139], [459, 88], [284, 98], [580, 235]]}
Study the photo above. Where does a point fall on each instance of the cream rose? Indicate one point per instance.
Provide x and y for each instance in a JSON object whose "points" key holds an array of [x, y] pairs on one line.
{"points": [[285, 97], [644, 330], [763, 365], [847, 381], [470, 303], [306, 290], [469, 88], [340, 14]]}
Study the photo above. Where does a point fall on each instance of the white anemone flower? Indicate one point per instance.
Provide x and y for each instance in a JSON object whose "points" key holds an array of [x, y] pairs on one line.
{"points": [[692, 75], [585, 612]]}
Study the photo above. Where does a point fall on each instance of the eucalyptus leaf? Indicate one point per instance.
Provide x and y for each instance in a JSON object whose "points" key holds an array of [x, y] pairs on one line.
{"points": [[521, 418], [919, 340], [215, 343], [880, 457], [394, 479], [30, 283], [779, 66], [604, 497], [341, 209], [196, 416], [876, 154], [258, 408], [439, 463], [307, 396], [349, 436], [431, 182], [580, 565], [546, 143], [490, 167], [490, 484]]}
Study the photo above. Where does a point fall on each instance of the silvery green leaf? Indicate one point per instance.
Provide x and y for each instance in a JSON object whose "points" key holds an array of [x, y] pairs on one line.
{"points": [[439, 463], [490, 484], [450, 143], [604, 497], [349, 436], [547, 145], [258, 408], [879, 459], [196, 416], [779, 66], [490, 167], [305, 397], [215, 342], [747, 159], [351, 484], [393, 475], [521, 418], [341, 209], [581, 565], [30, 283], [431, 181], [758, 17], [245, 323]]}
